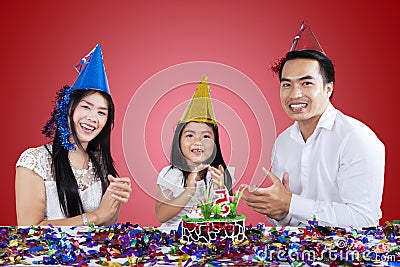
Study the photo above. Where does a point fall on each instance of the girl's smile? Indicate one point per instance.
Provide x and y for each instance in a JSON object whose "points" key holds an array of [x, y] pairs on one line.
{"points": [[197, 142]]}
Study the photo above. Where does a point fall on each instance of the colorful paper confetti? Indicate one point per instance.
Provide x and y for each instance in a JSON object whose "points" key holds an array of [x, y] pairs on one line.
{"points": [[132, 245]]}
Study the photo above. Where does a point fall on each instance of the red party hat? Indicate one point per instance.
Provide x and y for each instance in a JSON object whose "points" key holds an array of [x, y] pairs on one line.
{"points": [[305, 40]]}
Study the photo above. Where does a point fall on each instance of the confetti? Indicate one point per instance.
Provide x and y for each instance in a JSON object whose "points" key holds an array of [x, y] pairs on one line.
{"points": [[126, 244]]}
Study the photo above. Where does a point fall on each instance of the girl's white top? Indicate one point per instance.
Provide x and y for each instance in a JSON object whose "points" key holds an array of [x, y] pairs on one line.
{"points": [[170, 181]]}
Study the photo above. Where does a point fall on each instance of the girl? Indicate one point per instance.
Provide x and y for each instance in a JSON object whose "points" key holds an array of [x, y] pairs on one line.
{"points": [[72, 181], [196, 160]]}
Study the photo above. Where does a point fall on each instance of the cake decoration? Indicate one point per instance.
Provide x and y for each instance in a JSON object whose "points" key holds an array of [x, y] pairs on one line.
{"points": [[217, 220]]}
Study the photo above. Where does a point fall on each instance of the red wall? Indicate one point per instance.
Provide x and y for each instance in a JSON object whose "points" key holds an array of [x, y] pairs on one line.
{"points": [[43, 40]]}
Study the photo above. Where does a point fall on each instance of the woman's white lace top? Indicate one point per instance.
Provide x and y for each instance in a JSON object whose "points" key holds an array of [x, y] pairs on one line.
{"points": [[38, 159]]}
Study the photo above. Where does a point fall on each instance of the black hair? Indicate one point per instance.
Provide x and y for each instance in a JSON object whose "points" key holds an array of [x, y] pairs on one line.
{"points": [[98, 151], [179, 161], [326, 66]]}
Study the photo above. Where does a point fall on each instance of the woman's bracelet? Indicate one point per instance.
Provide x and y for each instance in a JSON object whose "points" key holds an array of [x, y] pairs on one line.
{"points": [[84, 219]]}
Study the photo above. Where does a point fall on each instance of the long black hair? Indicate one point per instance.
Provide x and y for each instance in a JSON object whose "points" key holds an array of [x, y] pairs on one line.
{"points": [[98, 151], [179, 161]]}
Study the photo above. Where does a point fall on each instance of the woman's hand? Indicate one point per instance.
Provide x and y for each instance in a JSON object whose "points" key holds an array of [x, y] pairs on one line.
{"points": [[107, 211], [120, 187], [117, 193]]}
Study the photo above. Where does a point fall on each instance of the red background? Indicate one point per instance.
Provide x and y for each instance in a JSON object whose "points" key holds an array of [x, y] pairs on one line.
{"points": [[43, 40]]}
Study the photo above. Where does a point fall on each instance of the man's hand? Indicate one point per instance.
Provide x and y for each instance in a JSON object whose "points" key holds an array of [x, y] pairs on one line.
{"points": [[273, 201]]}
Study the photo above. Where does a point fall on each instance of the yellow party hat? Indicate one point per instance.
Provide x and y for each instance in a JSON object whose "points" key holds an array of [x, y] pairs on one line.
{"points": [[200, 107]]}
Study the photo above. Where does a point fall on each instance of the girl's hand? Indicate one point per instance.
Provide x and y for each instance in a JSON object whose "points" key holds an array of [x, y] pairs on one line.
{"points": [[192, 179], [120, 188], [194, 176], [217, 176]]}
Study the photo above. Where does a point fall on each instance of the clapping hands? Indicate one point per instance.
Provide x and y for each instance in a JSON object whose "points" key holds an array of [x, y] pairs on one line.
{"points": [[117, 193], [273, 201], [120, 187], [217, 176]]}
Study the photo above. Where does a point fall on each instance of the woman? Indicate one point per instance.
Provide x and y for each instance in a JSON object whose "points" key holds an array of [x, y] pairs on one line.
{"points": [[72, 181]]}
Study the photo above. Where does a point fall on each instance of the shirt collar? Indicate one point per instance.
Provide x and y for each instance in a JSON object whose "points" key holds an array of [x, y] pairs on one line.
{"points": [[326, 121], [328, 117]]}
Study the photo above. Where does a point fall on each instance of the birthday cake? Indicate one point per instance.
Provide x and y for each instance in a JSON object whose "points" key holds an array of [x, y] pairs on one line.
{"points": [[214, 220]]}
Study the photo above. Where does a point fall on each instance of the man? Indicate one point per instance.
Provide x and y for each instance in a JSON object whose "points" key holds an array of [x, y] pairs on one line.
{"points": [[331, 165]]}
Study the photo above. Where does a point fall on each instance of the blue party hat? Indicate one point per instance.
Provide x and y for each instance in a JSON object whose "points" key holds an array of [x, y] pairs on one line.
{"points": [[93, 74]]}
